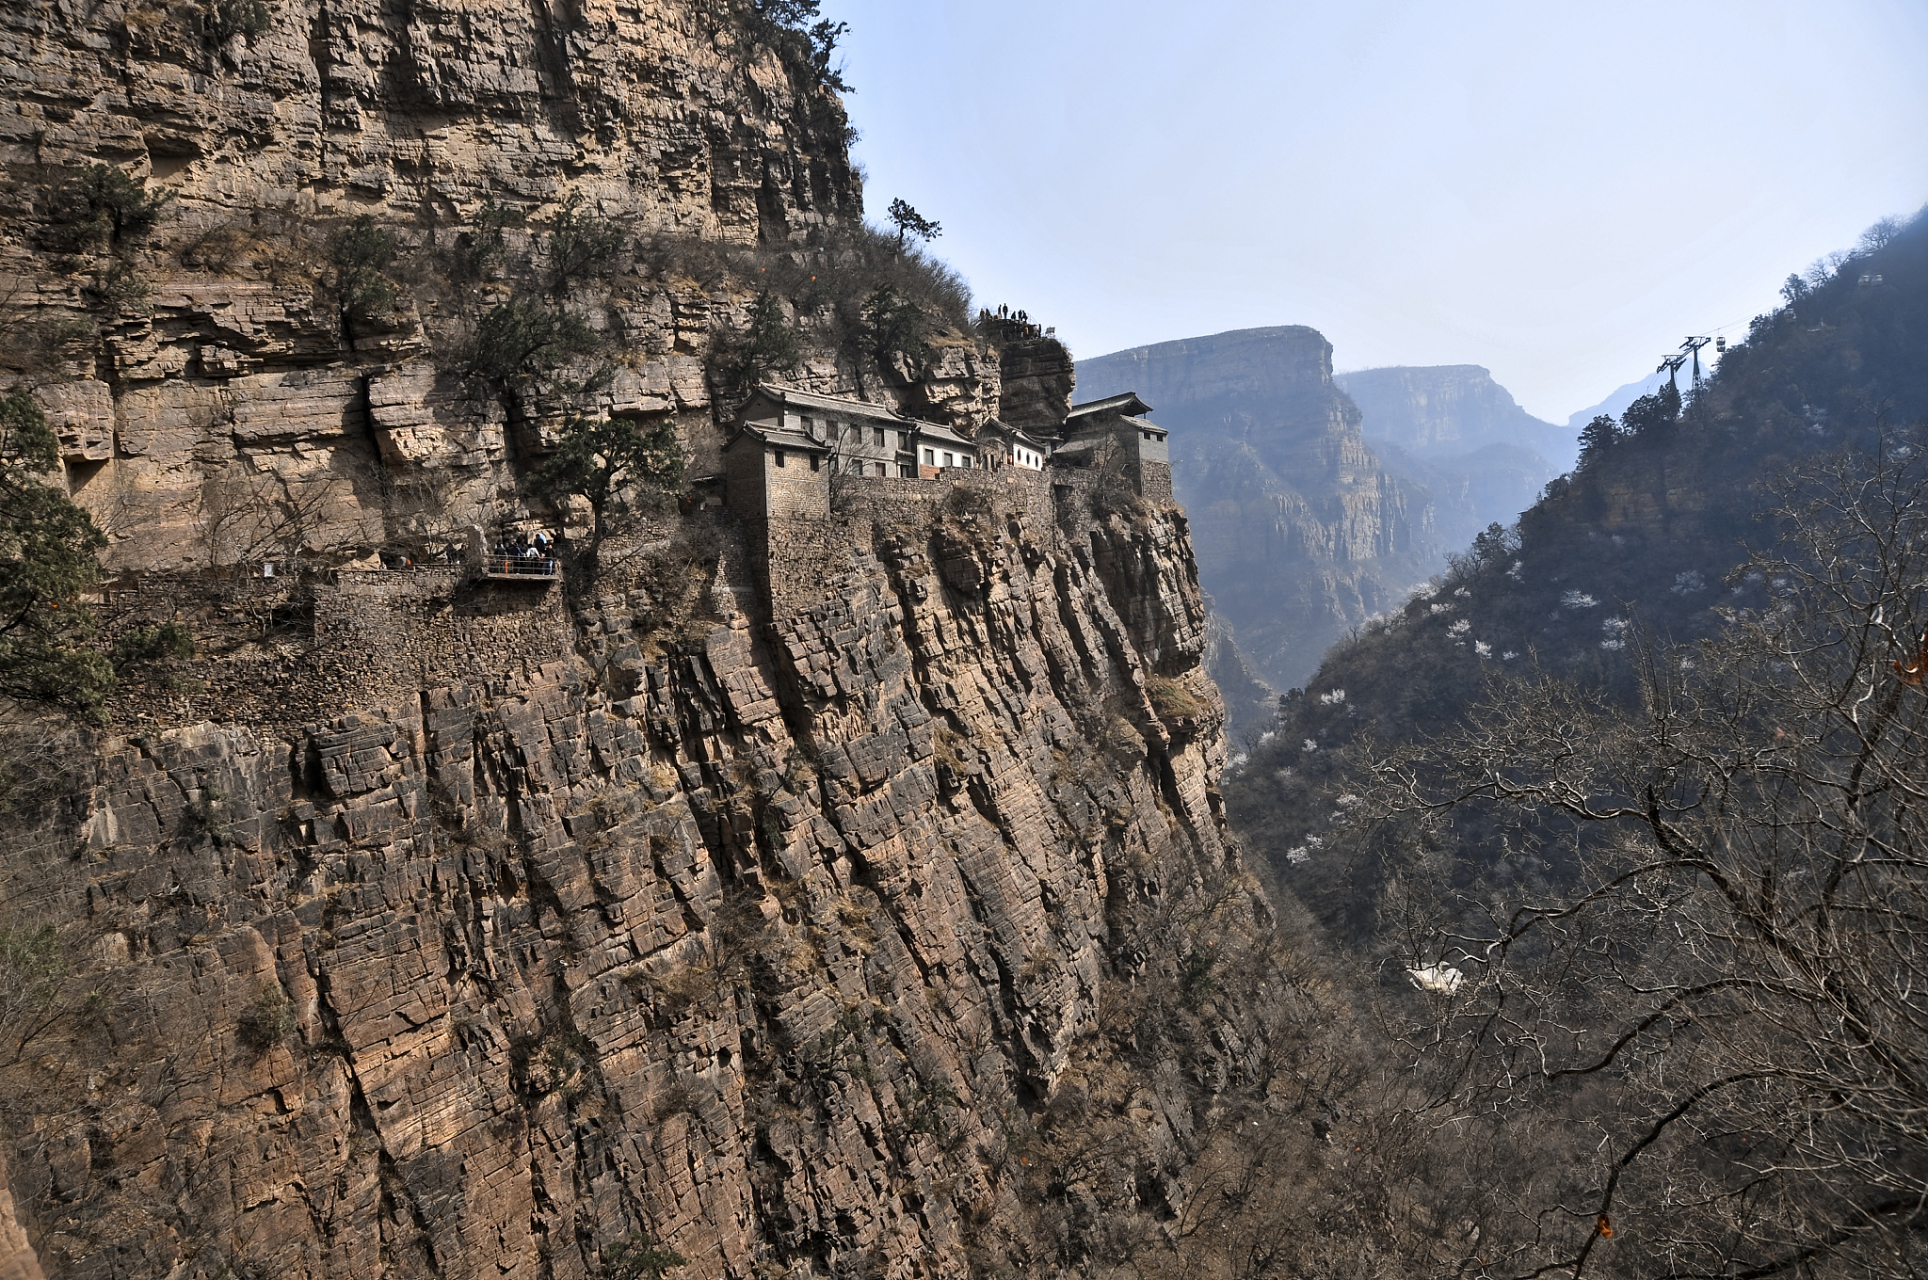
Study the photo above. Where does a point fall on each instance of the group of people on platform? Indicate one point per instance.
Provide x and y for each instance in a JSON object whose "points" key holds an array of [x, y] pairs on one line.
{"points": [[523, 554]]}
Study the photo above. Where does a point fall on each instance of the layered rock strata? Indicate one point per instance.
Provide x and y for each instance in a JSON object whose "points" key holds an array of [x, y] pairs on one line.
{"points": [[760, 897], [186, 315], [670, 112], [750, 930]]}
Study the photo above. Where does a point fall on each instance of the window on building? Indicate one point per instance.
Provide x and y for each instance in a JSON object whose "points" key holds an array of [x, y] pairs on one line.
{"points": [[907, 470], [930, 459], [880, 436], [807, 424], [964, 460], [779, 457], [813, 462], [949, 461], [1148, 435], [856, 467]]}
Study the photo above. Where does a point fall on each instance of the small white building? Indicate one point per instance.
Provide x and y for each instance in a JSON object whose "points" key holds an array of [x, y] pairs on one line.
{"points": [[1005, 446], [940, 448]]}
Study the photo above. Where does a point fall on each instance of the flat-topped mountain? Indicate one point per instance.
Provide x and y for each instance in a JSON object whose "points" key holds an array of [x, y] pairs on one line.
{"points": [[1301, 533], [1449, 410]]}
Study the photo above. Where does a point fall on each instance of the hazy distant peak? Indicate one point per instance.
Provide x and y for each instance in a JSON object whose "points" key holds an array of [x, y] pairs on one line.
{"points": [[1264, 363], [1617, 400], [1431, 409]]}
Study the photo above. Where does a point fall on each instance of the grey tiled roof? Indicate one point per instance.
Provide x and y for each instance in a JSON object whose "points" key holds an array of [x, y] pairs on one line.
{"points": [[1121, 404], [795, 398], [777, 437]]}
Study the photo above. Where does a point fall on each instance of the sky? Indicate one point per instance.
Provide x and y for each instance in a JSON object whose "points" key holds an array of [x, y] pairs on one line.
{"points": [[1558, 191]]}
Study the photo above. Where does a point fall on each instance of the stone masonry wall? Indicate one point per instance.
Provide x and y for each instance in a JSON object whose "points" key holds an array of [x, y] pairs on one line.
{"points": [[792, 555], [280, 653]]}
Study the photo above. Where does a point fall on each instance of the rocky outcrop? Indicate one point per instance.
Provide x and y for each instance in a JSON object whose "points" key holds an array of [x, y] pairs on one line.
{"points": [[424, 925], [1038, 376], [182, 320], [1301, 533], [752, 934], [671, 112]]}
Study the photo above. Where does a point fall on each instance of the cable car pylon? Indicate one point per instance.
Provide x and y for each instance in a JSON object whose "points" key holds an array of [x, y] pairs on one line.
{"points": [[1672, 365], [1692, 347]]}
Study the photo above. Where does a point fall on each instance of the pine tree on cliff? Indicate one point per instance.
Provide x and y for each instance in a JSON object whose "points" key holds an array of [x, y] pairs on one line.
{"points": [[909, 222], [48, 550]]}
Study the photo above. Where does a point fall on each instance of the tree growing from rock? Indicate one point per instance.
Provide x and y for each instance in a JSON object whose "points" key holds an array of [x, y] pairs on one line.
{"points": [[49, 551], [769, 345], [893, 326], [359, 256], [612, 464], [538, 342], [911, 223], [808, 46]]}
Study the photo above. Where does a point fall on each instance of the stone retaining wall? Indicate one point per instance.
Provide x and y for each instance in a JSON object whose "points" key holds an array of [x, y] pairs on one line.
{"points": [[283, 652]]}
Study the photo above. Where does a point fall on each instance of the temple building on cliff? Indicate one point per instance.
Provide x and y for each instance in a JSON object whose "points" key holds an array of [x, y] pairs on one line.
{"points": [[791, 446]]}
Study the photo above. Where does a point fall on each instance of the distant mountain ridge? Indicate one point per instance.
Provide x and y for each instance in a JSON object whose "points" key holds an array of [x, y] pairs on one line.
{"points": [[1461, 435], [1320, 500], [1300, 532], [1430, 410]]}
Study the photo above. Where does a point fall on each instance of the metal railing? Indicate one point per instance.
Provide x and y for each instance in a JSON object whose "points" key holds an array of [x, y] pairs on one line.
{"points": [[517, 568]]}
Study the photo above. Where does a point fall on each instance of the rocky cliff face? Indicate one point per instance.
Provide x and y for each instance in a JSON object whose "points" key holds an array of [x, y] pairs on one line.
{"points": [[759, 936], [1454, 431], [188, 316], [427, 926], [1446, 410], [1301, 532], [667, 111]]}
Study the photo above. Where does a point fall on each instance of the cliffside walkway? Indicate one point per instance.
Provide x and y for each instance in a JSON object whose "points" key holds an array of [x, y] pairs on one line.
{"points": [[516, 569]]}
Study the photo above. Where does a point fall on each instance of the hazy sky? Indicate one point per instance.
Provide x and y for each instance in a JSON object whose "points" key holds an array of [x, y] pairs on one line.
{"points": [[1557, 191]]}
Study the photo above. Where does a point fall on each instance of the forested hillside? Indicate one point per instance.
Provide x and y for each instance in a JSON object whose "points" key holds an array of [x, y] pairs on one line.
{"points": [[1646, 540], [1623, 813]]}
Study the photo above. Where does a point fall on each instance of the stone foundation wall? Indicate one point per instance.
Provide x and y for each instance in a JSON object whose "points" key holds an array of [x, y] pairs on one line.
{"points": [[793, 555], [1155, 482], [763, 955], [284, 652]]}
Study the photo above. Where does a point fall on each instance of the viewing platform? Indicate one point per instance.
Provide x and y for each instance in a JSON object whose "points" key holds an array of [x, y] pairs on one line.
{"points": [[501, 566], [516, 569]]}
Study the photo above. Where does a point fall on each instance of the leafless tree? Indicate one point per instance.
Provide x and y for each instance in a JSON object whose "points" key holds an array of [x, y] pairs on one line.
{"points": [[1721, 1029], [243, 515]]}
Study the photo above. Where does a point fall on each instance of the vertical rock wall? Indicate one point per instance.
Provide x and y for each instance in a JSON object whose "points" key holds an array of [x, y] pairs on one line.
{"points": [[757, 933], [196, 361]]}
